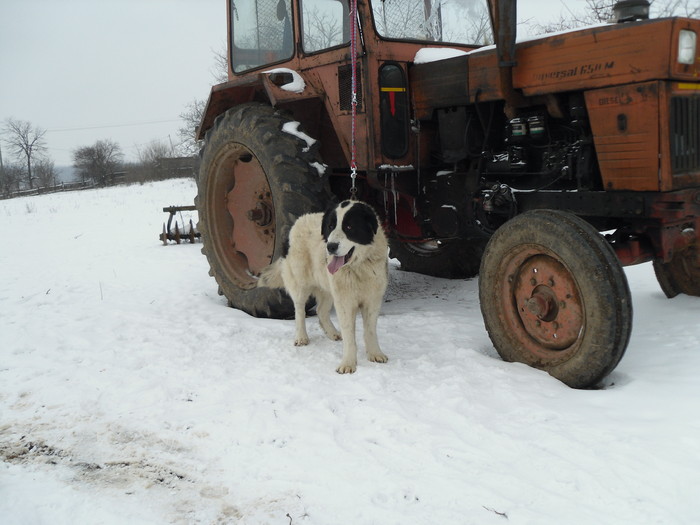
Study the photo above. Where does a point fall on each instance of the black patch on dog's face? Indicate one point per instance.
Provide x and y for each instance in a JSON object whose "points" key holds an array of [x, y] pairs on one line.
{"points": [[360, 223], [330, 221]]}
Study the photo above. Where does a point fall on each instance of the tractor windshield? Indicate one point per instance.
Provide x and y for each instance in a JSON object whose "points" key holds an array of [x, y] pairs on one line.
{"points": [[261, 33], [458, 21], [325, 23]]}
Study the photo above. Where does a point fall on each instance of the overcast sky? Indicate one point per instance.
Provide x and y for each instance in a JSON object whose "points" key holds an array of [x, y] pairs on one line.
{"points": [[124, 70]]}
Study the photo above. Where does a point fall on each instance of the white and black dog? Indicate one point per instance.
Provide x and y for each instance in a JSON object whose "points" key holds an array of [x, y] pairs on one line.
{"points": [[340, 258]]}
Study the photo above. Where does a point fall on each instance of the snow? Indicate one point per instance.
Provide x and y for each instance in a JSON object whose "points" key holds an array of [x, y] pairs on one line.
{"points": [[433, 54], [395, 167], [130, 393], [293, 129], [530, 38], [297, 85], [521, 39], [320, 168]]}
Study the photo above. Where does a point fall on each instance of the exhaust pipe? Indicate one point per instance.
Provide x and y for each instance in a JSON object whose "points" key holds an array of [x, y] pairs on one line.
{"points": [[630, 10], [503, 21]]}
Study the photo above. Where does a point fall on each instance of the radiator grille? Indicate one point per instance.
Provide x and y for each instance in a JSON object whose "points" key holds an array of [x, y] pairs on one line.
{"points": [[685, 134], [345, 87]]}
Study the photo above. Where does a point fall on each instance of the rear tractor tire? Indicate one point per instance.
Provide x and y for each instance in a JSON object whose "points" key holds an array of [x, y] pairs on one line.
{"points": [[453, 259], [254, 181], [681, 275], [554, 296]]}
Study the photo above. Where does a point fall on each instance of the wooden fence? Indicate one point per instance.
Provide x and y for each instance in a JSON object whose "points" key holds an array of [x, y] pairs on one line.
{"points": [[64, 186]]}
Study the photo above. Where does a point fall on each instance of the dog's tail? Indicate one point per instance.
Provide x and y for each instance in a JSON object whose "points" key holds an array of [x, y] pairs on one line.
{"points": [[271, 276]]}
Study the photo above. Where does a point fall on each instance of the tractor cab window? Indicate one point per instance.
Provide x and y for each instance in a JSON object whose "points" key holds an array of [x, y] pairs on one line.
{"points": [[326, 24], [458, 21], [261, 32]]}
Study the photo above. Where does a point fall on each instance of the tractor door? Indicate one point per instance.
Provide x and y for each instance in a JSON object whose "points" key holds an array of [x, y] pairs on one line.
{"points": [[326, 62], [394, 116]]}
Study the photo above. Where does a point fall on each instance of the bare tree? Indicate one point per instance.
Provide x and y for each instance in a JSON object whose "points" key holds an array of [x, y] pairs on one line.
{"points": [[220, 68], [98, 162], [25, 142], [689, 8], [45, 172], [191, 117], [321, 30], [155, 150], [400, 19], [151, 160], [597, 11], [10, 178], [476, 28]]}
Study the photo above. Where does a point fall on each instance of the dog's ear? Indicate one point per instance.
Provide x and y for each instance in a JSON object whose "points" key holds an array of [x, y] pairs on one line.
{"points": [[330, 220], [365, 216], [360, 223], [372, 222]]}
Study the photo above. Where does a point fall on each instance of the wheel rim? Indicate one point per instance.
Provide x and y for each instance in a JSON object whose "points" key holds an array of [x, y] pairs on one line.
{"points": [[243, 229], [425, 249], [542, 304]]}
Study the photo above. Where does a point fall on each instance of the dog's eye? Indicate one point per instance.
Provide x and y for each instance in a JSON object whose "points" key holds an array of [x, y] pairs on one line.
{"points": [[348, 227]]}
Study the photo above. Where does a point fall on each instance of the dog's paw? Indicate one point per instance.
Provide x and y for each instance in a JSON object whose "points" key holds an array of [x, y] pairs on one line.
{"points": [[345, 368], [378, 357], [335, 336], [301, 341]]}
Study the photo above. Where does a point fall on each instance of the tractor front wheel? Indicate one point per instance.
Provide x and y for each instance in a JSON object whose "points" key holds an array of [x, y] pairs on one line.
{"points": [[554, 296]]}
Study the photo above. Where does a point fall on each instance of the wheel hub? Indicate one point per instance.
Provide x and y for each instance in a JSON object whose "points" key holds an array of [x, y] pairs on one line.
{"points": [[243, 225], [548, 303], [543, 303], [249, 205], [261, 214]]}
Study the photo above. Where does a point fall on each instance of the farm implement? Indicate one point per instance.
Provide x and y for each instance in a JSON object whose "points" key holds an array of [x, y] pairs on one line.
{"points": [[178, 230]]}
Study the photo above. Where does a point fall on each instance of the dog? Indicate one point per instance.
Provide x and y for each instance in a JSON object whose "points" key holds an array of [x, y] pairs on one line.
{"points": [[341, 258]]}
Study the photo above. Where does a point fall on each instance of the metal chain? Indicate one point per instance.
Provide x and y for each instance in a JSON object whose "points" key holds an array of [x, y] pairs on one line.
{"points": [[353, 75]]}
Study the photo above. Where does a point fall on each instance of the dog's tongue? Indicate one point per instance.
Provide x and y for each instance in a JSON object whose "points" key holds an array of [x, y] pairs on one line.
{"points": [[335, 264]]}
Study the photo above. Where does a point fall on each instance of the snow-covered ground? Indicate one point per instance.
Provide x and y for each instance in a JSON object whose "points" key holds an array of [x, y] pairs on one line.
{"points": [[130, 393]]}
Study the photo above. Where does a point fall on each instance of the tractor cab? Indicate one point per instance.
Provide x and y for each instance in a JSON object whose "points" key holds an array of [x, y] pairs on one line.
{"points": [[298, 52]]}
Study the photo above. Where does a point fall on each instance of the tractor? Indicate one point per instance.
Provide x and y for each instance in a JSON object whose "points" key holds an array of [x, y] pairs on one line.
{"points": [[543, 165]]}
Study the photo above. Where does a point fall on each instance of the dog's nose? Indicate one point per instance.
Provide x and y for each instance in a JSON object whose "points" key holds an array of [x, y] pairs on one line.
{"points": [[332, 248]]}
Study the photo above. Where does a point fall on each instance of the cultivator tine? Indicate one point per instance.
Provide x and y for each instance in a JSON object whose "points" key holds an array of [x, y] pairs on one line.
{"points": [[191, 235], [177, 233]]}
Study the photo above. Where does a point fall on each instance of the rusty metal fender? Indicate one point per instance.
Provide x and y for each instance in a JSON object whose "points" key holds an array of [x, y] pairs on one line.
{"points": [[226, 95], [262, 87]]}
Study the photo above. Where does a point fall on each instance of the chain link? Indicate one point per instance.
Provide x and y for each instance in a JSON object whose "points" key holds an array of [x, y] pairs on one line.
{"points": [[353, 61]]}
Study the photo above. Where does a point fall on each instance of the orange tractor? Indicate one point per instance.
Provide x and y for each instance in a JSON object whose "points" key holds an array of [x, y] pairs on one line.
{"points": [[503, 160]]}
